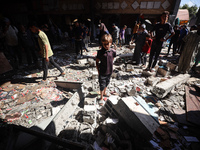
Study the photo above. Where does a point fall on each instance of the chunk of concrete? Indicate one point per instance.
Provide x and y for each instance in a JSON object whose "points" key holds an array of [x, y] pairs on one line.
{"points": [[152, 81], [136, 117], [163, 88], [129, 67]]}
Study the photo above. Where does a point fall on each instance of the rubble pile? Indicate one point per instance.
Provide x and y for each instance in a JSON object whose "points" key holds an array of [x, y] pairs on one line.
{"points": [[142, 110], [27, 105]]}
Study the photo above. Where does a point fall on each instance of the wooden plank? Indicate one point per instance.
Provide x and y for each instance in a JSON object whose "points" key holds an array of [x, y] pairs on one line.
{"points": [[192, 105]]}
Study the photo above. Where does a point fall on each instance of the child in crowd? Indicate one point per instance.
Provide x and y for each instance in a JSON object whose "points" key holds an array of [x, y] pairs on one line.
{"points": [[104, 63], [146, 50]]}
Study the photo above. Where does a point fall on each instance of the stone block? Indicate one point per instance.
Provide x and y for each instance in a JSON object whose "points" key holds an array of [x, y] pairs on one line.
{"points": [[163, 88], [136, 117], [152, 81]]}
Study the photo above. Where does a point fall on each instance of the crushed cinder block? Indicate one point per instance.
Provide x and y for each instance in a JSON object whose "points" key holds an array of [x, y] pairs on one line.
{"points": [[163, 88]]}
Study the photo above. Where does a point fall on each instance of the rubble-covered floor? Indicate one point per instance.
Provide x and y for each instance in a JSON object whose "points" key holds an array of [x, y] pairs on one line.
{"points": [[104, 124]]}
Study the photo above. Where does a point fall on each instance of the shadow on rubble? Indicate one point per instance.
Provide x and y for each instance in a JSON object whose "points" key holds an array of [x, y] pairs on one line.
{"points": [[79, 67], [15, 137], [57, 103]]}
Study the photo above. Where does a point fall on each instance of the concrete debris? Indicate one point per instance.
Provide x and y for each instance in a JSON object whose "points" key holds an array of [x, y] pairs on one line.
{"points": [[137, 111], [162, 71], [163, 88], [152, 81]]}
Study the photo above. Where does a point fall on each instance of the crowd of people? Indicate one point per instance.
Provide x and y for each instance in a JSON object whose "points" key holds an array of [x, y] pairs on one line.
{"points": [[186, 43], [36, 41], [152, 41]]}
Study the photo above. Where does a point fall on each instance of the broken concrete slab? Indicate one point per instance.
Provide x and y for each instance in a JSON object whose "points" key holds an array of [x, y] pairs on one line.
{"points": [[163, 88], [56, 125], [134, 115]]}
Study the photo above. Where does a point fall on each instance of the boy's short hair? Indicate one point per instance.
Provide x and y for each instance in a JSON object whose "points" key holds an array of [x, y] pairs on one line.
{"points": [[106, 38], [165, 13]]}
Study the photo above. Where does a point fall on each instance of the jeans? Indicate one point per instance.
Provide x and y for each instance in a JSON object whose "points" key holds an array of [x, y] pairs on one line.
{"points": [[45, 66]]}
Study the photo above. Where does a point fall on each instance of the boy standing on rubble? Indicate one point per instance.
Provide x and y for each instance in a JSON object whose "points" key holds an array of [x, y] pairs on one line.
{"points": [[104, 63], [45, 51]]}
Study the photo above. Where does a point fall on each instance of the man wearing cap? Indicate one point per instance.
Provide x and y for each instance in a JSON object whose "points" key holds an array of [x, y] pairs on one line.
{"points": [[161, 30], [140, 41]]}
